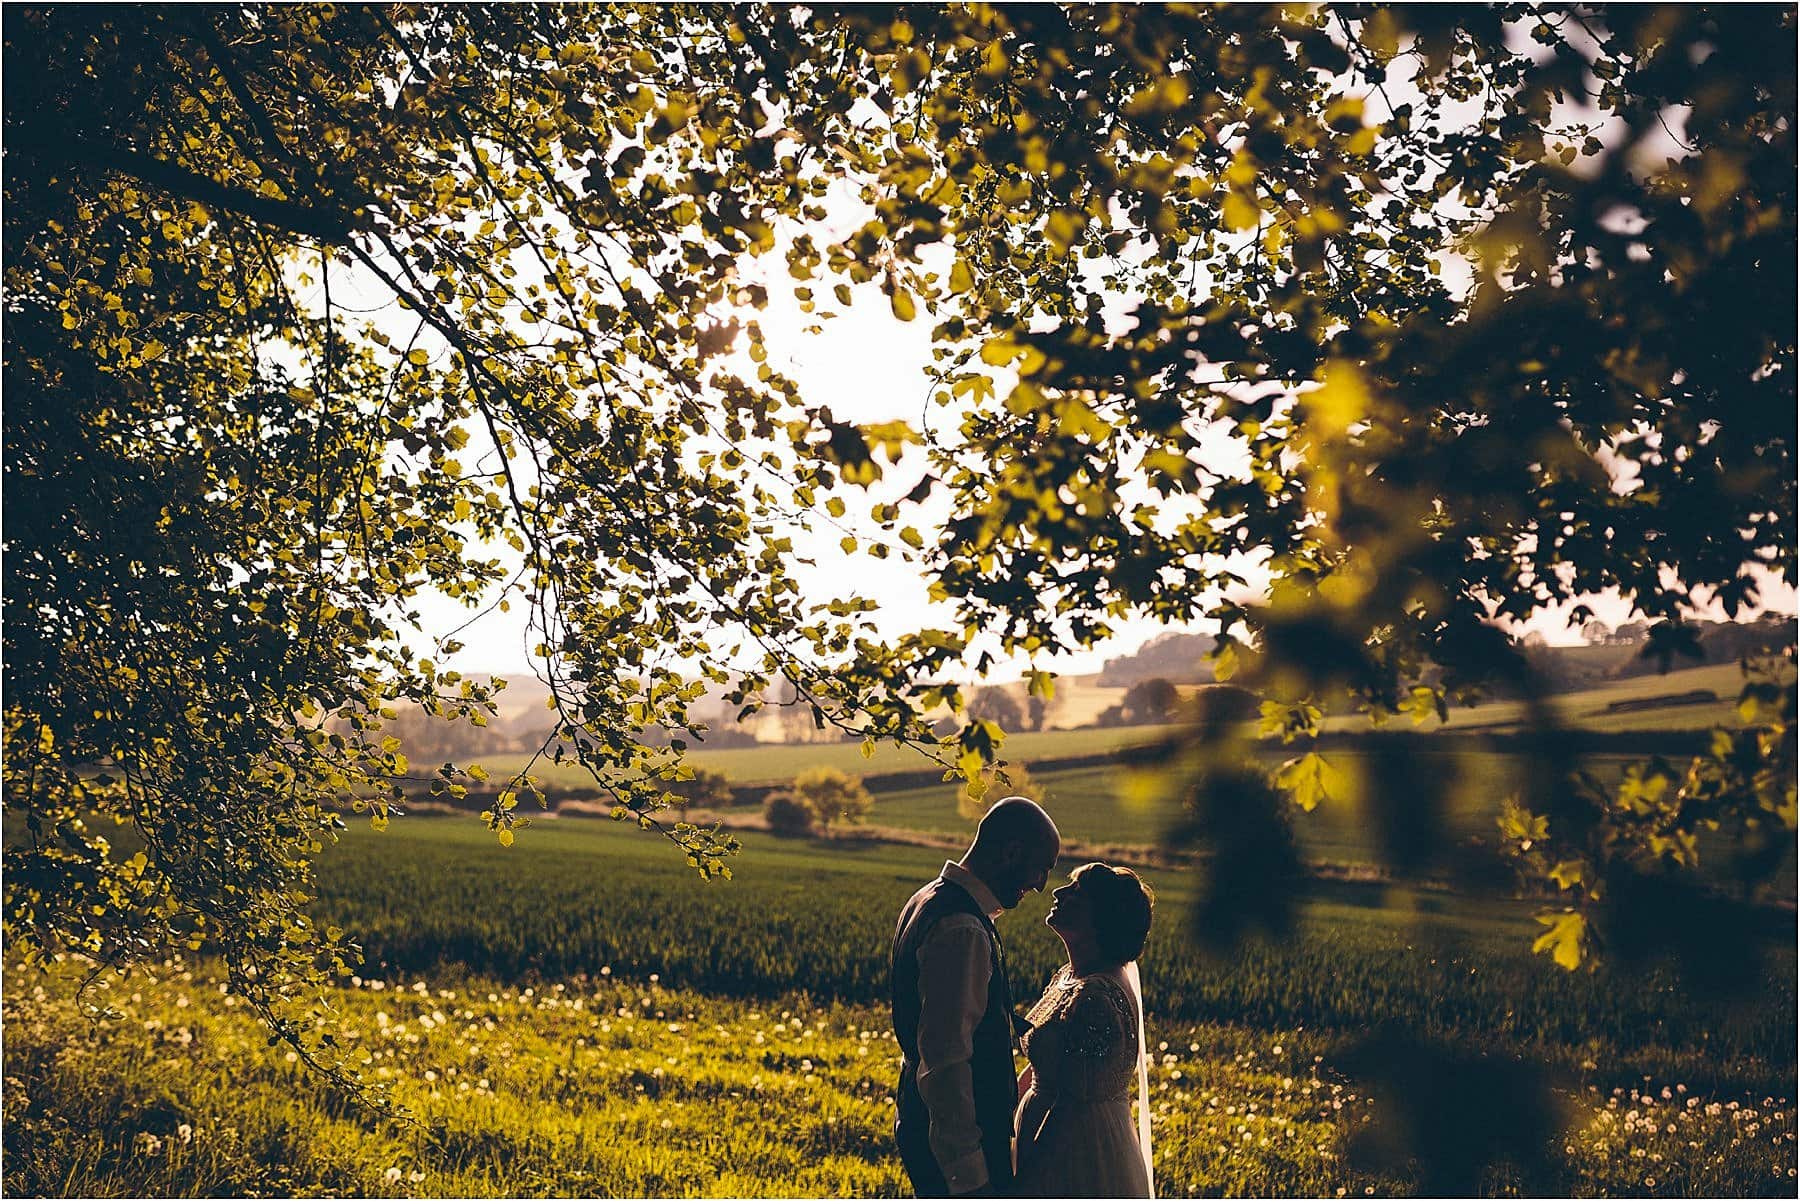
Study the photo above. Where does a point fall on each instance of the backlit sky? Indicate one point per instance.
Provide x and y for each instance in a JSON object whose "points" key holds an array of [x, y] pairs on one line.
{"points": [[868, 366]]}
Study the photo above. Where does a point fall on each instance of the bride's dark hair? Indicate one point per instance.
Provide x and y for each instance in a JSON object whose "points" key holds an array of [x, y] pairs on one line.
{"points": [[1121, 904]]}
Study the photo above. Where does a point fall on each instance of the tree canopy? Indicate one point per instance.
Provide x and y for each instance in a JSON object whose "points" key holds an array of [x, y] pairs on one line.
{"points": [[1433, 316]]}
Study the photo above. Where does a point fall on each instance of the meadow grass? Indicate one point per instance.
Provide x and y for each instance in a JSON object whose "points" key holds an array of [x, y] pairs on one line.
{"points": [[605, 1086], [579, 1014], [574, 896]]}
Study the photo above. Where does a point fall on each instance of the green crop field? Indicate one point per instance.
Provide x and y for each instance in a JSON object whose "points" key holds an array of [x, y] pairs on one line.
{"points": [[1588, 710], [577, 896], [1112, 806], [777, 763], [578, 1014]]}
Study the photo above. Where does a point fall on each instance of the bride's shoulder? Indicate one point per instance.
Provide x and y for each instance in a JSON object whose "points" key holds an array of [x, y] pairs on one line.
{"points": [[1111, 982], [1105, 988]]}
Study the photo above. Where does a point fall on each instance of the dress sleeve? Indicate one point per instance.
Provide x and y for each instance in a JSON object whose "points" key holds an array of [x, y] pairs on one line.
{"points": [[1077, 1041]]}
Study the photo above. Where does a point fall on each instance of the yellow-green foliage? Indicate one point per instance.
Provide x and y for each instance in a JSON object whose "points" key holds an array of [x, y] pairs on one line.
{"points": [[602, 1086], [833, 795], [1013, 780]]}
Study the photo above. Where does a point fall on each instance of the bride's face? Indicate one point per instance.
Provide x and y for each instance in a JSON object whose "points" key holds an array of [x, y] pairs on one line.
{"points": [[1071, 914]]}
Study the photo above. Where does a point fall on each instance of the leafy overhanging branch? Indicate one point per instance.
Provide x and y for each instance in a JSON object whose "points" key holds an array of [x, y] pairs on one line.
{"points": [[1409, 462]]}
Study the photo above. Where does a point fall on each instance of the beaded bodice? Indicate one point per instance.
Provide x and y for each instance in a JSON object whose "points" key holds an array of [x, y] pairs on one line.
{"points": [[1084, 1039]]}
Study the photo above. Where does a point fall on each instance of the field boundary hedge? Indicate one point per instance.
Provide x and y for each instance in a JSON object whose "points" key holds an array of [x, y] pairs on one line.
{"points": [[1584, 742]]}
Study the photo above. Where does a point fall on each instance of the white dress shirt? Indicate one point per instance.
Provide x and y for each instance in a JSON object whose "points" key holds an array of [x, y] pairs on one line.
{"points": [[955, 968]]}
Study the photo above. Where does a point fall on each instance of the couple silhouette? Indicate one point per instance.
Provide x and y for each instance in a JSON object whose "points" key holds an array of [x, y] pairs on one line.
{"points": [[967, 1123]]}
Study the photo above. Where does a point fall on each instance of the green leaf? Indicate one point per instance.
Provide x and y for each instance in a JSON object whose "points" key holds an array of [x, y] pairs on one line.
{"points": [[998, 352], [1240, 212], [1309, 779], [1568, 874], [1565, 940], [1518, 824]]}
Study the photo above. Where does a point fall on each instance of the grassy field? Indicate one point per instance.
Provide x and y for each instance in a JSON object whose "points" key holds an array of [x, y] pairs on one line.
{"points": [[607, 1087], [1112, 806], [580, 1015], [1589, 710], [777, 763]]}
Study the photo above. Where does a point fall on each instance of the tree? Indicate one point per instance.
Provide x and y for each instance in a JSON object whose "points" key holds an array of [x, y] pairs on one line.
{"points": [[1226, 703], [788, 815], [1596, 633], [1150, 702], [832, 795], [226, 485], [708, 789], [1040, 707], [1178, 658], [999, 706]]}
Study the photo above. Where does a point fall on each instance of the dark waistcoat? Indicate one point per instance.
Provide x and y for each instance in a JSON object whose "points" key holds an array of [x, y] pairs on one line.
{"points": [[991, 1063]]}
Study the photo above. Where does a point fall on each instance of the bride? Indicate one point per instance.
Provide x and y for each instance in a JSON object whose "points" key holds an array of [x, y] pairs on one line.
{"points": [[1074, 1127]]}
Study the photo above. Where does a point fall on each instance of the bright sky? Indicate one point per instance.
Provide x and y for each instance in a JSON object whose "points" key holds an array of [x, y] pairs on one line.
{"points": [[868, 366]]}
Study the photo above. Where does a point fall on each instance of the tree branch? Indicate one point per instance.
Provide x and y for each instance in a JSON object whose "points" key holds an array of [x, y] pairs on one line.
{"points": [[328, 225]]}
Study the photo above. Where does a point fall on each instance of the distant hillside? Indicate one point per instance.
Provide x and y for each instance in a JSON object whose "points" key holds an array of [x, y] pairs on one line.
{"points": [[1619, 654], [1612, 656], [1175, 657]]}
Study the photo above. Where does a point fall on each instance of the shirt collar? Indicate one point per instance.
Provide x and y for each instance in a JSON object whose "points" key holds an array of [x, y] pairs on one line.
{"points": [[972, 884]]}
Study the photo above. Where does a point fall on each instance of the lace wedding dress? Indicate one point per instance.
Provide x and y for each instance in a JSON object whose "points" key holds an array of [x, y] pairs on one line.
{"points": [[1076, 1134]]}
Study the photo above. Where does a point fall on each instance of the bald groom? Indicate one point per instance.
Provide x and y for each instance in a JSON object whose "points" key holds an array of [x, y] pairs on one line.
{"points": [[953, 1012]]}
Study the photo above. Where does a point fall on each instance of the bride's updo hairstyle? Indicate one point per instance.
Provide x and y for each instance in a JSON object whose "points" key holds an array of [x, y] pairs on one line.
{"points": [[1121, 904]]}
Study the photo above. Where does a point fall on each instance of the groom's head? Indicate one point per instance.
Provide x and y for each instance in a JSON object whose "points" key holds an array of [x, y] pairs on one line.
{"points": [[1015, 847]]}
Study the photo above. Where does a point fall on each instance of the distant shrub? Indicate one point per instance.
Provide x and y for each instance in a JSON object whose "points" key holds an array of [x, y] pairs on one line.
{"points": [[1150, 702], [788, 815], [1226, 703], [833, 795], [708, 789]]}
